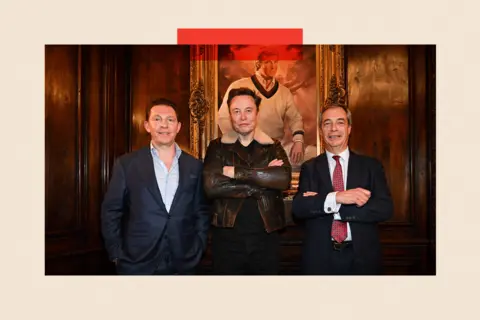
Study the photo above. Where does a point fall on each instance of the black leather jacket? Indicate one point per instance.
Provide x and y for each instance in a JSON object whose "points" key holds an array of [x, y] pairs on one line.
{"points": [[253, 177]]}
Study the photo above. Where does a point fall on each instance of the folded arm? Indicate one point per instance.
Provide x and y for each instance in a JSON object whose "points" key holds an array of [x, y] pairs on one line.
{"points": [[273, 177], [309, 201], [216, 184], [380, 205]]}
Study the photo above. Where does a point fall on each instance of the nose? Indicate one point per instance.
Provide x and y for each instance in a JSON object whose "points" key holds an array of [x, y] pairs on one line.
{"points": [[243, 116]]}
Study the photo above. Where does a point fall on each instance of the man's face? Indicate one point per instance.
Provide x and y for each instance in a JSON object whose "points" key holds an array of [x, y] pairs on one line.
{"points": [[243, 113], [335, 129], [162, 125], [269, 66]]}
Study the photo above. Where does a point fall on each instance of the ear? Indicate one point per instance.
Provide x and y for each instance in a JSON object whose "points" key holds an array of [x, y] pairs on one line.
{"points": [[179, 126], [146, 125]]}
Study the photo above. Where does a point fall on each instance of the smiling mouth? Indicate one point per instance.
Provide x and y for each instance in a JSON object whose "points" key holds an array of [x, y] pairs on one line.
{"points": [[334, 137], [164, 133]]}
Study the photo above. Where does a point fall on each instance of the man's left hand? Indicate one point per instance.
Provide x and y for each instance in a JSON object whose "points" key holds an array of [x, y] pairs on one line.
{"points": [[297, 152]]}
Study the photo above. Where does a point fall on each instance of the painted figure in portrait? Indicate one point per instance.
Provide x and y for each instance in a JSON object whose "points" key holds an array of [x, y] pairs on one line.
{"points": [[285, 76]]}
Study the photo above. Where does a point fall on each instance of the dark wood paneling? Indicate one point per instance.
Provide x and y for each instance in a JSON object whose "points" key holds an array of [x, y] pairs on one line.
{"points": [[392, 121], [62, 139], [86, 262], [115, 108], [378, 96], [86, 128], [92, 61], [160, 71]]}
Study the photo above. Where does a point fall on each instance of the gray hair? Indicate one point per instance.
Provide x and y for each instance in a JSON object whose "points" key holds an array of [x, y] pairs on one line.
{"points": [[347, 111]]}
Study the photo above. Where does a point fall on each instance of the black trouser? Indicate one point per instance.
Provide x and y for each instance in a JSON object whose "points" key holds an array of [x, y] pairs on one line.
{"points": [[342, 260], [237, 253]]}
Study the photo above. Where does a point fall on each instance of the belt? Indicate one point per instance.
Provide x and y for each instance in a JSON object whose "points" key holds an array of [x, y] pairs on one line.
{"points": [[340, 245]]}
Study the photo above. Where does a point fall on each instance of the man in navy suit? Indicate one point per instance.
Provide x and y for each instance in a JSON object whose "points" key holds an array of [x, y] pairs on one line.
{"points": [[342, 196], [155, 217]]}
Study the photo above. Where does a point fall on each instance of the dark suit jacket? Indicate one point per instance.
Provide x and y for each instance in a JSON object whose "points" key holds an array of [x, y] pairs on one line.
{"points": [[363, 172], [134, 218]]}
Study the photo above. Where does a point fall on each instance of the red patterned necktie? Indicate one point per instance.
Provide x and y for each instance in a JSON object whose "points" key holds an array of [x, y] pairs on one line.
{"points": [[339, 228]]}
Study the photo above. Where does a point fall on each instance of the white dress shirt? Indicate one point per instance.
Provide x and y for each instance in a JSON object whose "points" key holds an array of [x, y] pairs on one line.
{"points": [[331, 205], [167, 180]]}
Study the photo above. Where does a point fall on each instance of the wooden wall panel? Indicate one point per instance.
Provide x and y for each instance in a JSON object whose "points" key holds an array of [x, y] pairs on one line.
{"points": [[62, 139], [92, 66], [378, 97], [392, 115], [160, 71], [86, 128]]}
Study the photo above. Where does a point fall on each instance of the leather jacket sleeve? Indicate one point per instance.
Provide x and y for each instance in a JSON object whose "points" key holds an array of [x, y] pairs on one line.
{"points": [[277, 177], [218, 185]]}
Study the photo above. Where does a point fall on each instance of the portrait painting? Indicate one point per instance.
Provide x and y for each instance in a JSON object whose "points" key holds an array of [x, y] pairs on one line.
{"points": [[294, 66]]}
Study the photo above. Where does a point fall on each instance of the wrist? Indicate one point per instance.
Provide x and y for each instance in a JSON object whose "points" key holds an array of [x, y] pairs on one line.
{"points": [[298, 137], [337, 197]]}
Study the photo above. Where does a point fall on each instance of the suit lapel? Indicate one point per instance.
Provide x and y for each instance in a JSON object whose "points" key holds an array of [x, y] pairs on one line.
{"points": [[353, 172], [147, 172], [184, 174], [323, 171]]}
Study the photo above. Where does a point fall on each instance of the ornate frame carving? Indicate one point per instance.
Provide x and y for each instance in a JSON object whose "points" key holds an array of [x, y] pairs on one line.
{"points": [[203, 97], [330, 61]]}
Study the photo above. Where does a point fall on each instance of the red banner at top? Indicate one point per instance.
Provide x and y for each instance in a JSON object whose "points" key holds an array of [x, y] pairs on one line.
{"points": [[240, 36]]}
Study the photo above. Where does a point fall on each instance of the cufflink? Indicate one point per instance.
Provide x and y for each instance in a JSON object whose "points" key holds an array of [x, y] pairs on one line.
{"points": [[329, 209]]}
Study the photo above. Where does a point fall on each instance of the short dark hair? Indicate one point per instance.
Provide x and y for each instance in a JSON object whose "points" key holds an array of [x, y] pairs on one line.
{"points": [[158, 102], [243, 92]]}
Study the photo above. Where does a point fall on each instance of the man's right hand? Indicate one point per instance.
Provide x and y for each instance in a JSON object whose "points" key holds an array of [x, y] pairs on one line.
{"points": [[275, 163], [358, 196]]}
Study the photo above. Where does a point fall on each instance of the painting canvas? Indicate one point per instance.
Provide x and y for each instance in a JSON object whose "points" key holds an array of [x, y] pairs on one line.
{"points": [[297, 70]]}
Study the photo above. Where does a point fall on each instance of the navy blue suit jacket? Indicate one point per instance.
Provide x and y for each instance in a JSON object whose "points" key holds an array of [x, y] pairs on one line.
{"points": [[134, 218], [363, 172]]}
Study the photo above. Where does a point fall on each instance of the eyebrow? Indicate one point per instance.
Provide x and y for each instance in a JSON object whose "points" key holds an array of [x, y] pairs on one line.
{"points": [[336, 119], [167, 116]]}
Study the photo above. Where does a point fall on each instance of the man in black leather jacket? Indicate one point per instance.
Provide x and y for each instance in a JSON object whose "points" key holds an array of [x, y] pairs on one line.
{"points": [[245, 172]]}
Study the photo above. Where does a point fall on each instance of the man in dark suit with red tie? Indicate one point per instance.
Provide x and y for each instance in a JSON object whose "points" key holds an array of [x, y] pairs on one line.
{"points": [[342, 196]]}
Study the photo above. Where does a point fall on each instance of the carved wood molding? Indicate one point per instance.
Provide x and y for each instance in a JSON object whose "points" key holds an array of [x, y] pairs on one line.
{"points": [[203, 95], [331, 68]]}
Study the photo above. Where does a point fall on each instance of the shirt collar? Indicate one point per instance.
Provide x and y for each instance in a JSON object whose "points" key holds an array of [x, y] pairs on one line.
{"points": [[154, 151], [263, 82], [344, 155]]}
